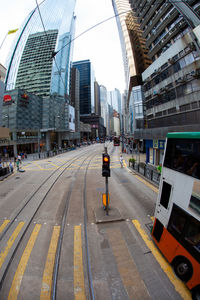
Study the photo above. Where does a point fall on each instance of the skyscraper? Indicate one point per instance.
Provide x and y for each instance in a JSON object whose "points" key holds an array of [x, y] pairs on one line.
{"points": [[87, 104], [134, 51], [40, 60]]}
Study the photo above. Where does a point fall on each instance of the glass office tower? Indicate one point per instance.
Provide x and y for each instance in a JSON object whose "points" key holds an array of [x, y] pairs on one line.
{"points": [[30, 65], [87, 78]]}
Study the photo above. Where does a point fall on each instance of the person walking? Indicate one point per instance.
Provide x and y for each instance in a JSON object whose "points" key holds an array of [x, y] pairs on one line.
{"points": [[121, 160], [17, 164], [11, 167]]}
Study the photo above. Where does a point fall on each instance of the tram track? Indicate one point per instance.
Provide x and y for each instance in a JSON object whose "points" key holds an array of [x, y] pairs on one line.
{"points": [[63, 224], [10, 238]]}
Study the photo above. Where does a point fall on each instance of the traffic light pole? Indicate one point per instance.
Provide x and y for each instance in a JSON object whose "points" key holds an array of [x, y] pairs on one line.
{"points": [[106, 195]]}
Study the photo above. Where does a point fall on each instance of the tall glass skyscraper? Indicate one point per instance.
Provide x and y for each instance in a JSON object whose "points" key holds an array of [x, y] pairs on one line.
{"points": [[30, 65]]}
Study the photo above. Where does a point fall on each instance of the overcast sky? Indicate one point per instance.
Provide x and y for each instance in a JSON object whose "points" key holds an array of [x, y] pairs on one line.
{"points": [[101, 45]]}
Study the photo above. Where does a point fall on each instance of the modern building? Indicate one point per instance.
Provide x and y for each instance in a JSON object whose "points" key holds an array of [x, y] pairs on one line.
{"points": [[97, 98], [40, 65], [22, 114], [134, 51], [2, 88], [104, 106], [172, 82], [163, 22], [40, 59], [87, 79], [75, 99]]}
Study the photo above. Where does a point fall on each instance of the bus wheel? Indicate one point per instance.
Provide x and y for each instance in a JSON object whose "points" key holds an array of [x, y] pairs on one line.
{"points": [[196, 293], [183, 268]]}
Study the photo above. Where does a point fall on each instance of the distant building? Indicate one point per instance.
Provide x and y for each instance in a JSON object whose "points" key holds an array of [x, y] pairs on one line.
{"points": [[104, 106], [87, 97], [75, 99], [97, 98]]}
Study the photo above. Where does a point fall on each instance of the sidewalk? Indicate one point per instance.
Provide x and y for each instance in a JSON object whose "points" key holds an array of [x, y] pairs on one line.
{"points": [[147, 171]]}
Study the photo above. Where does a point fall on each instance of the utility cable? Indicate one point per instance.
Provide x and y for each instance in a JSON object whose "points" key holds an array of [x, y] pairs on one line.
{"points": [[114, 16]]}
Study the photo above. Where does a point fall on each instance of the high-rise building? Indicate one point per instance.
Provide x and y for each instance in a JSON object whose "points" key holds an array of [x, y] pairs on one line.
{"points": [[134, 51], [171, 84], [104, 106], [2, 87], [40, 59], [87, 99], [163, 22], [97, 98]]}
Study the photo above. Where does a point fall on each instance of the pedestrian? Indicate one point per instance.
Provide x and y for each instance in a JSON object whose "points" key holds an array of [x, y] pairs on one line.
{"points": [[11, 167], [121, 160], [17, 164], [19, 158]]}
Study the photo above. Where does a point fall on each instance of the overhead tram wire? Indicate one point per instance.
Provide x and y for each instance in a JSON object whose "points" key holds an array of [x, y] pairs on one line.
{"points": [[116, 15]]}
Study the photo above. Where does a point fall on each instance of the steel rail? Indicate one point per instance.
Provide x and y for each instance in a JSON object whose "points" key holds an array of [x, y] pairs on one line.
{"points": [[58, 250], [31, 218]]}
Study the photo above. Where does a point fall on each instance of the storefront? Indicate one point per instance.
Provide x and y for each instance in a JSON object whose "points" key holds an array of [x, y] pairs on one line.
{"points": [[154, 151]]}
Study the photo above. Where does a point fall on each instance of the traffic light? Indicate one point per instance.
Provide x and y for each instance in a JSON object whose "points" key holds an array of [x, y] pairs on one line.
{"points": [[106, 165]]}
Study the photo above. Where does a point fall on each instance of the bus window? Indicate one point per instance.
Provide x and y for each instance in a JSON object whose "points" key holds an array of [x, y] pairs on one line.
{"points": [[192, 235], [176, 222], [166, 191], [183, 155], [195, 197]]}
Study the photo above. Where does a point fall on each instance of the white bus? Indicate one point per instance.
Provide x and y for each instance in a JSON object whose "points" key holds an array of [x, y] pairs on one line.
{"points": [[176, 229]]}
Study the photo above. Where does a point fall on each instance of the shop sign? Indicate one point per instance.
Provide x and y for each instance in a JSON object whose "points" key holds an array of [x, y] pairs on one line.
{"points": [[161, 145], [4, 141], [7, 100], [155, 144]]}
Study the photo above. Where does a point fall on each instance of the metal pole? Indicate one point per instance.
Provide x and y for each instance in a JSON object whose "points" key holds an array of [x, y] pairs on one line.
{"points": [[39, 142], [107, 196]]}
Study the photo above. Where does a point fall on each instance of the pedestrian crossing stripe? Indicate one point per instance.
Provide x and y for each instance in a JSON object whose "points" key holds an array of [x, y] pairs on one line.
{"points": [[49, 265], [15, 287], [79, 286], [3, 226], [10, 242]]}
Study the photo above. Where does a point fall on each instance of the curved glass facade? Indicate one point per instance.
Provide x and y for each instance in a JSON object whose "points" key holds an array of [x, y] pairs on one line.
{"points": [[30, 65]]}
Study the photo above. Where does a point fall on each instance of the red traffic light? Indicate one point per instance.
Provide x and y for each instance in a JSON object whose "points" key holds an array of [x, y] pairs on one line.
{"points": [[106, 159]]}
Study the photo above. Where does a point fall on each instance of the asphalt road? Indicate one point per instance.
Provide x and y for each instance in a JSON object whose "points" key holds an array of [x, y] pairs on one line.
{"points": [[101, 256]]}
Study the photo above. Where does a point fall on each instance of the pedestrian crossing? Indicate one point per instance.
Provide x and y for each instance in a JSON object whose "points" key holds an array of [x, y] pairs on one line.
{"points": [[49, 165], [130, 277]]}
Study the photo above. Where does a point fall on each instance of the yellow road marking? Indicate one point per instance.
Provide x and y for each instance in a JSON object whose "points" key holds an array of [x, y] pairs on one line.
{"points": [[10, 242], [179, 286], [38, 165], [14, 290], [54, 165], [48, 270], [5, 223], [147, 183], [79, 287]]}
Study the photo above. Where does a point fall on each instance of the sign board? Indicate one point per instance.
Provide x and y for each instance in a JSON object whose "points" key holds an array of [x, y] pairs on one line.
{"points": [[104, 199]]}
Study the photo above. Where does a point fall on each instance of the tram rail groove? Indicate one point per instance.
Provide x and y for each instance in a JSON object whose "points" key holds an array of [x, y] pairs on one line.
{"points": [[16, 214], [6, 264], [63, 223]]}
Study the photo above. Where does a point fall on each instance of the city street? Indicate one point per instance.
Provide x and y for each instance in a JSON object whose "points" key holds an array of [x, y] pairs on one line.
{"points": [[57, 242]]}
